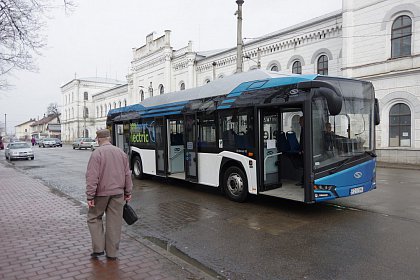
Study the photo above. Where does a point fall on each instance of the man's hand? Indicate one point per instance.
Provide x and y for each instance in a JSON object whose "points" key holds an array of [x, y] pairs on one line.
{"points": [[127, 197], [91, 203]]}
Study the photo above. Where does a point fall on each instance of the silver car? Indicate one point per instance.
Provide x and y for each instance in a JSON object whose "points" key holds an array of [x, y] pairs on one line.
{"points": [[19, 150], [47, 142], [83, 143]]}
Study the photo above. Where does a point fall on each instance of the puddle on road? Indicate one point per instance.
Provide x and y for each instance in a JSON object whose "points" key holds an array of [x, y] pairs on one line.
{"points": [[271, 224]]}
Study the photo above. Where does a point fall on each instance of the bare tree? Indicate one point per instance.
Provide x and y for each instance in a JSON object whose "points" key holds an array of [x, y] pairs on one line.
{"points": [[21, 26], [52, 109]]}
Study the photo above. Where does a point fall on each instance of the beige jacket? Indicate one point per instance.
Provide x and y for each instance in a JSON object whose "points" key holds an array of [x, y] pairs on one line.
{"points": [[108, 173]]}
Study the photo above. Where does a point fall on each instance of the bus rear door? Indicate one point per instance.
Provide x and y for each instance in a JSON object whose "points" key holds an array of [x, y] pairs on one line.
{"points": [[190, 145]]}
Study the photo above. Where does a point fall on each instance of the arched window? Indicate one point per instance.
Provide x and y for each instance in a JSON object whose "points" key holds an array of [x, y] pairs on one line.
{"points": [[161, 89], [401, 37], [102, 111], [141, 95], [72, 112], [400, 126], [182, 86], [109, 107], [119, 104], [97, 111], [85, 96], [297, 67], [125, 102], [322, 65], [274, 68]]}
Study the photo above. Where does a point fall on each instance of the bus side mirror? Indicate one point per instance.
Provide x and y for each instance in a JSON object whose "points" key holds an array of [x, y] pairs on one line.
{"points": [[376, 115], [330, 92]]}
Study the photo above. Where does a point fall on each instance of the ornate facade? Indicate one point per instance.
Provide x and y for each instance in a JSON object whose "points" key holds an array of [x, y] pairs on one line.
{"points": [[370, 39]]}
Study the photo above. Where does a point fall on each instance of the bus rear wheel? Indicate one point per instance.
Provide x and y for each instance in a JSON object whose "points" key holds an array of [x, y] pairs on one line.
{"points": [[235, 184], [138, 168]]}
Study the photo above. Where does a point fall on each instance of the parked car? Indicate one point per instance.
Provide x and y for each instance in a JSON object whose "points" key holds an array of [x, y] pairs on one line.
{"points": [[94, 146], [17, 150], [47, 142], [83, 143], [58, 142]]}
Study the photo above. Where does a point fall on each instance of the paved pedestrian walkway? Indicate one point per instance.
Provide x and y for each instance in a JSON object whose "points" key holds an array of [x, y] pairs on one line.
{"points": [[43, 235]]}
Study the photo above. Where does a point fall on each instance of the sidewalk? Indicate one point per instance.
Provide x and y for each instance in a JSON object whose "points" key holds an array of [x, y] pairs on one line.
{"points": [[43, 235]]}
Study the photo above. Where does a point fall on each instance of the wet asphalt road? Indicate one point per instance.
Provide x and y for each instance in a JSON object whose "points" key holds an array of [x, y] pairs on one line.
{"points": [[372, 236]]}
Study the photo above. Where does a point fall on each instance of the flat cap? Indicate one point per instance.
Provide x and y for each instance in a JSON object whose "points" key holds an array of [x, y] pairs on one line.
{"points": [[103, 133]]}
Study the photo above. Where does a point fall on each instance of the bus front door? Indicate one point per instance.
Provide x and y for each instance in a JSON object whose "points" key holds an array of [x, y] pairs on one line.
{"points": [[160, 146], [190, 146], [269, 124]]}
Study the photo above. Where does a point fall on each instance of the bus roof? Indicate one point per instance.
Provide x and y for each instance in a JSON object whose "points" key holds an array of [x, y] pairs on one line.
{"points": [[231, 86]]}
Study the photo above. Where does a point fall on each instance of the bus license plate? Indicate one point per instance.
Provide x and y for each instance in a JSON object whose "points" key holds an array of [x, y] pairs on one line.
{"points": [[357, 190]]}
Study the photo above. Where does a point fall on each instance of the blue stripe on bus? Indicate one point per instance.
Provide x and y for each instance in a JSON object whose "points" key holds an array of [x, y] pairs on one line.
{"points": [[275, 82], [228, 101], [164, 109], [234, 94], [167, 105], [224, 107], [161, 114]]}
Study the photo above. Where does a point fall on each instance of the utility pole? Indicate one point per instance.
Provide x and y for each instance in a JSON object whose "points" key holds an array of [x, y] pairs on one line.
{"points": [[239, 44]]}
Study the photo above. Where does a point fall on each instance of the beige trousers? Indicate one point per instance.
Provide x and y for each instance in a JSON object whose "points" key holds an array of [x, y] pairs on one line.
{"points": [[108, 240]]}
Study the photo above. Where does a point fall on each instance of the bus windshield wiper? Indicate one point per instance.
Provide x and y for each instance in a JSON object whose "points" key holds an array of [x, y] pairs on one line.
{"points": [[338, 168]]}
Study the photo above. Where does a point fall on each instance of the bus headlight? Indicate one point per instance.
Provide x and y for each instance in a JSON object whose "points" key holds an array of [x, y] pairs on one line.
{"points": [[324, 187]]}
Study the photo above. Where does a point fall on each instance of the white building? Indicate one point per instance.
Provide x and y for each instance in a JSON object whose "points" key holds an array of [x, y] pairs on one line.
{"points": [[368, 39]]}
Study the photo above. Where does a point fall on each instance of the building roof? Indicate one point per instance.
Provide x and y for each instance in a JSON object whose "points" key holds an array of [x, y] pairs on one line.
{"points": [[45, 120], [30, 121]]}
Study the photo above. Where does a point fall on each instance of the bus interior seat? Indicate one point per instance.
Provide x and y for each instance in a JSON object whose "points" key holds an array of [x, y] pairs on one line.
{"points": [[292, 140]]}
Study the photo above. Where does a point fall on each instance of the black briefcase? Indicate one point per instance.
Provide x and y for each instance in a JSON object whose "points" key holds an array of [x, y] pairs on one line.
{"points": [[129, 215]]}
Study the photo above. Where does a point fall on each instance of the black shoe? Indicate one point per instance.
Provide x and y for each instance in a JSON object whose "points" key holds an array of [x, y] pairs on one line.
{"points": [[111, 258], [95, 255]]}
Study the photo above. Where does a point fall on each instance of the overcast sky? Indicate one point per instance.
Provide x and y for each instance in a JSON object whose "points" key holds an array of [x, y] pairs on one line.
{"points": [[98, 37]]}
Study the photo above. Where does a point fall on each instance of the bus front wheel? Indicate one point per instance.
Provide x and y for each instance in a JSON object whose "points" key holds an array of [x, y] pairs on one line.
{"points": [[138, 168], [235, 184]]}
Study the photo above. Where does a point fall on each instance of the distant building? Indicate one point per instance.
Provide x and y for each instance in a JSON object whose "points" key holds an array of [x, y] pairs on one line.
{"points": [[48, 126], [23, 131], [371, 40]]}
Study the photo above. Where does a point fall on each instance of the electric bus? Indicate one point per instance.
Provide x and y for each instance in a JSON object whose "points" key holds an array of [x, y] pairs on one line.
{"points": [[307, 138]]}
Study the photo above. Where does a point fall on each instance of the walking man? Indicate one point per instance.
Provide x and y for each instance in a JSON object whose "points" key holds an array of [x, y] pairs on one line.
{"points": [[108, 184]]}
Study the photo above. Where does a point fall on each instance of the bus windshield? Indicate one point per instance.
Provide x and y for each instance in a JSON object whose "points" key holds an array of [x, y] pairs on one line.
{"points": [[350, 133]]}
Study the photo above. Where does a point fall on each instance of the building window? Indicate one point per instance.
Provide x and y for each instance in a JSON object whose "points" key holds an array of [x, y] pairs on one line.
{"points": [[125, 102], [323, 65], [109, 107], [102, 111], [115, 105], [85, 96], [182, 86], [297, 67], [400, 126], [119, 104], [274, 68], [161, 89], [401, 37]]}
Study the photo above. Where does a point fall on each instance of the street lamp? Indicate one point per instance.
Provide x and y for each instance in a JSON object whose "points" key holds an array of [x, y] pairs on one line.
{"points": [[239, 37]]}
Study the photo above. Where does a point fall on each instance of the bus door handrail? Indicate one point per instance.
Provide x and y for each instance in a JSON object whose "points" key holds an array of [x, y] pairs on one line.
{"points": [[265, 160]]}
